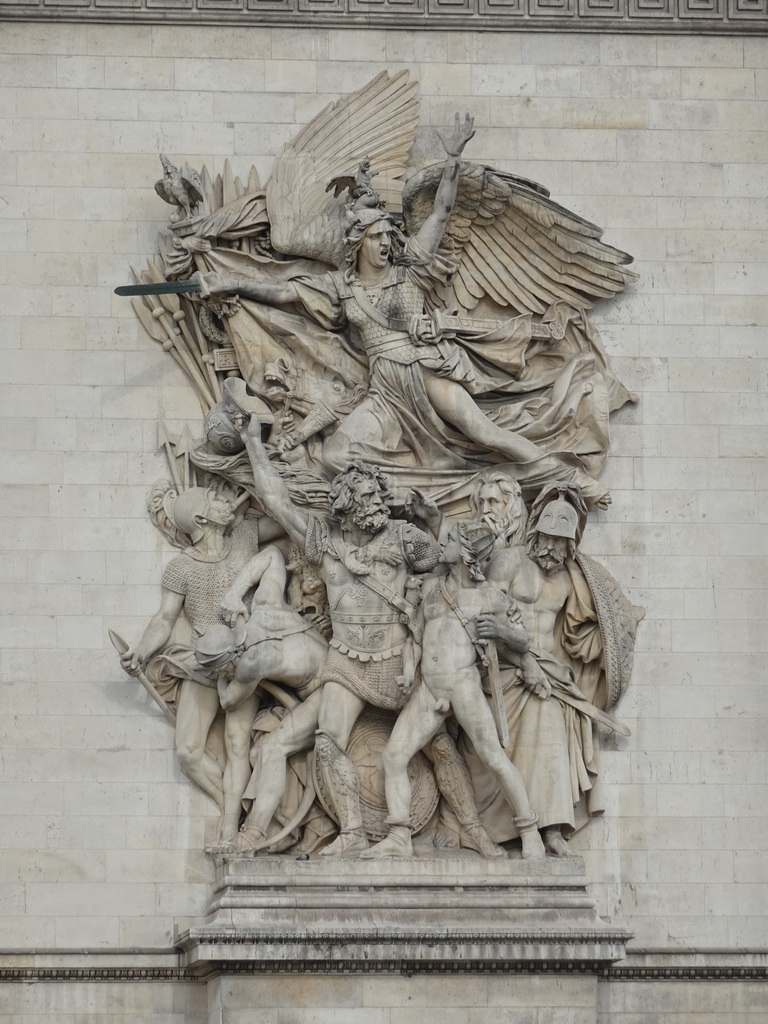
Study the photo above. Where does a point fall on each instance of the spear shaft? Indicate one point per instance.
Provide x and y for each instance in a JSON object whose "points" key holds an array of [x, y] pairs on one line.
{"points": [[121, 647]]}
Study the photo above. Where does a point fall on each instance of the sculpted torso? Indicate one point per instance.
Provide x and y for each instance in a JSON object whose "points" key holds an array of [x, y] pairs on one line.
{"points": [[447, 646], [361, 619], [540, 596], [398, 299], [274, 648]]}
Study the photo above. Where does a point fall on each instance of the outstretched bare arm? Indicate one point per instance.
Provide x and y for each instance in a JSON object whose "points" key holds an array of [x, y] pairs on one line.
{"points": [[273, 493], [431, 232], [261, 291], [157, 633]]}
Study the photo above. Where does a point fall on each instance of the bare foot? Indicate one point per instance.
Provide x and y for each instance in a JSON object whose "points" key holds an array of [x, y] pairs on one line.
{"points": [[396, 844], [554, 843], [533, 846], [345, 844], [444, 839], [474, 837]]}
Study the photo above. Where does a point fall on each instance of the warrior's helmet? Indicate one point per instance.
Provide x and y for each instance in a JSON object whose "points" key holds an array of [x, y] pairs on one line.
{"points": [[559, 518], [221, 431], [187, 506]]}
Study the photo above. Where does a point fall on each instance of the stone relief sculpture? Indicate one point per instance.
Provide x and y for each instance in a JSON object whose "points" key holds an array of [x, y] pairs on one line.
{"points": [[451, 605], [385, 642]]}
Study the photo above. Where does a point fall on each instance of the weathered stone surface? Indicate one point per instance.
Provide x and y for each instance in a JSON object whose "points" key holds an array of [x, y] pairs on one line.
{"points": [[67, 700]]}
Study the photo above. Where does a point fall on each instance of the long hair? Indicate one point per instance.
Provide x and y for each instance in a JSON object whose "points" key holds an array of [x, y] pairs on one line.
{"points": [[515, 520], [342, 498]]}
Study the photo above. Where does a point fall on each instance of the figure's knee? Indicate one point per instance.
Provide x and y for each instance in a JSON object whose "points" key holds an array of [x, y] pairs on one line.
{"points": [[190, 755], [336, 449], [336, 717], [238, 743], [395, 758], [326, 744], [274, 749]]}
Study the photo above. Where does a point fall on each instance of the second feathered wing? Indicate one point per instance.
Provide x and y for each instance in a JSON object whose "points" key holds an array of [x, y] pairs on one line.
{"points": [[379, 123], [517, 246]]}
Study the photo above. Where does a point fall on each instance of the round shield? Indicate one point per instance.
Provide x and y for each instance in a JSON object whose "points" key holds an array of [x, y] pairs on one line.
{"points": [[366, 743]]}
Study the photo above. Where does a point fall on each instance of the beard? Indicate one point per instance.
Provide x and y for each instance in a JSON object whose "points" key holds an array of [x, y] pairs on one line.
{"points": [[549, 563], [509, 527], [370, 518], [547, 559]]}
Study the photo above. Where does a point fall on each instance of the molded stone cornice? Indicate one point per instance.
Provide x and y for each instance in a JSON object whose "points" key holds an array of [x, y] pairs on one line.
{"points": [[722, 17]]}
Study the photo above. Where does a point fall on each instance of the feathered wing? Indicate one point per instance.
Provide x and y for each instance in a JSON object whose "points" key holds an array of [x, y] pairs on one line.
{"points": [[517, 246], [379, 121]]}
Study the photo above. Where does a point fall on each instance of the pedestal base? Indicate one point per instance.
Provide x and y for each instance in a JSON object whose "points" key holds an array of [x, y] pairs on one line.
{"points": [[456, 912]]}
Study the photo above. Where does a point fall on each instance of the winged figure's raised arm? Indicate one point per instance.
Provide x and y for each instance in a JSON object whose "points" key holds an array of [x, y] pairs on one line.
{"points": [[430, 234], [518, 246]]}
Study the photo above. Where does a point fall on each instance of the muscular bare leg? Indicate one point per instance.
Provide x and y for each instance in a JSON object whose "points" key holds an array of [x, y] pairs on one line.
{"points": [[416, 725], [476, 719], [555, 844], [237, 771], [296, 732], [196, 709], [457, 406]]}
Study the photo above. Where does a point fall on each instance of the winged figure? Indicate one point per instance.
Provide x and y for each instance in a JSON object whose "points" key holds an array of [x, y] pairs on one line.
{"points": [[455, 304], [435, 329]]}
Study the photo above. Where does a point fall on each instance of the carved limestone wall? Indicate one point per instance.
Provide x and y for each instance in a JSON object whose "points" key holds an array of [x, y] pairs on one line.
{"points": [[659, 138]]}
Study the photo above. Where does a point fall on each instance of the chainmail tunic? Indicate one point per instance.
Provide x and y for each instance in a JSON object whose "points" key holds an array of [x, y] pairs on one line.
{"points": [[204, 582], [373, 681], [399, 299]]}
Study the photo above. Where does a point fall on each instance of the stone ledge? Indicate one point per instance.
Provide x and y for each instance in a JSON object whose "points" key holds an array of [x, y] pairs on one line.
{"points": [[129, 966], [720, 17], [271, 914]]}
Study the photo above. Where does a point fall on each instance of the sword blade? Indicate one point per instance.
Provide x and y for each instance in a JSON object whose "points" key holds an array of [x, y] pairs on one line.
{"points": [[497, 695], [160, 288]]}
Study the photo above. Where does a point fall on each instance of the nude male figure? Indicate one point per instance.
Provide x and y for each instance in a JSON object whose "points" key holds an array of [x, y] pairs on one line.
{"points": [[451, 682]]}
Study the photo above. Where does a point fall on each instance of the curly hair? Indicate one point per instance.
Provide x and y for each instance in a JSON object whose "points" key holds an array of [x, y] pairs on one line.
{"points": [[342, 498]]}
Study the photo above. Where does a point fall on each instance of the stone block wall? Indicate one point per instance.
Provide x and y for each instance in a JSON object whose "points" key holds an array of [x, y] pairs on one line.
{"points": [[660, 139]]}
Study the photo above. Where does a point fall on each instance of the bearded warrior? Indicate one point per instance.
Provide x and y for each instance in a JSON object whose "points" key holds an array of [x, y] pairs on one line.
{"points": [[575, 615]]}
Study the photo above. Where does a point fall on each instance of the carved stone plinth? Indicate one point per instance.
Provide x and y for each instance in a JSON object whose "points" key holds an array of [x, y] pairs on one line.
{"points": [[432, 913]]}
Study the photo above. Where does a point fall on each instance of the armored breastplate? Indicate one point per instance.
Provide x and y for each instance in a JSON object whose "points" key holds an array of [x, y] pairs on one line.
{"points": [[400, 300]]}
